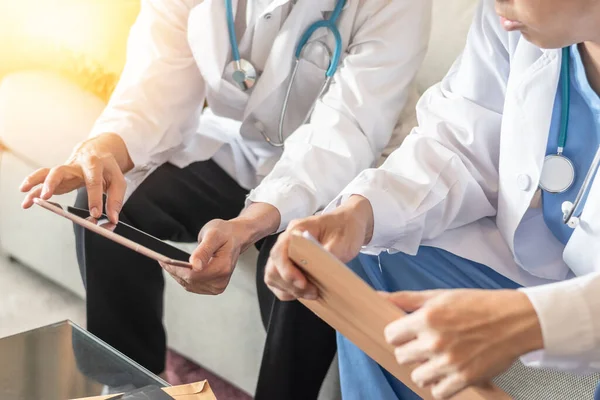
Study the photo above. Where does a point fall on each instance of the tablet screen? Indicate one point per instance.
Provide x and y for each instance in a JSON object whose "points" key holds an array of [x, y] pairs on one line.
{"points": [[133, 234]]}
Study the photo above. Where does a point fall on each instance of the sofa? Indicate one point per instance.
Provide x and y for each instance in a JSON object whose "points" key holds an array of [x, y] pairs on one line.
{"points": [[43, 115]]}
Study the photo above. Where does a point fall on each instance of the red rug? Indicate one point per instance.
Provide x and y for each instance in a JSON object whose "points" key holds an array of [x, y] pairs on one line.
{"points": [[180, 371]]}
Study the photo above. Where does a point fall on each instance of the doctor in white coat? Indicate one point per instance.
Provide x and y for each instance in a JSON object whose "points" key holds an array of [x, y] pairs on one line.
{"points": [[494, 189], [277, 142]]}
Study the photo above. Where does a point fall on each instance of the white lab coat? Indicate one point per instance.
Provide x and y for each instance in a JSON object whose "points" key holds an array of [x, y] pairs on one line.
{"points": [[178, 51], [465, 181]]}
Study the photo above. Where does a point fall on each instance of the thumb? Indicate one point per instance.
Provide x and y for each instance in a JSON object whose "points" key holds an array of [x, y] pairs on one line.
{"points": [[210, 242], [410, 301]]}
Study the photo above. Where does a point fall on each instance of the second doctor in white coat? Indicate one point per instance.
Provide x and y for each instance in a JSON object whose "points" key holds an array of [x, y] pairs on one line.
{"points": [[187, 165], [463, 204]]}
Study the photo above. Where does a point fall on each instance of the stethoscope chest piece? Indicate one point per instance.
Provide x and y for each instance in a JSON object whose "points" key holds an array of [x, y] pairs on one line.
{"points": [[244, 74], [558, 174]]}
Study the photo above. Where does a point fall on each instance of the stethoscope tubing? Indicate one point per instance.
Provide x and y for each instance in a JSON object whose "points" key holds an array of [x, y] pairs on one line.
{"points": [[570, 213]]}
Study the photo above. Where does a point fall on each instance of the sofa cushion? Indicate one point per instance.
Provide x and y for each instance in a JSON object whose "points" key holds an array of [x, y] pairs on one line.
{"points": [[43, 115]]}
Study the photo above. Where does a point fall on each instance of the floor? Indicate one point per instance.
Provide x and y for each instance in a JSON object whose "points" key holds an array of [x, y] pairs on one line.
{"points": [[28, 301]]}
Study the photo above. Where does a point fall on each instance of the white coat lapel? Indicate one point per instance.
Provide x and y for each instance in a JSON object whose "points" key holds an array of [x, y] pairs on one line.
{"points": [[280, 62], [526, 123], [208, 36]]}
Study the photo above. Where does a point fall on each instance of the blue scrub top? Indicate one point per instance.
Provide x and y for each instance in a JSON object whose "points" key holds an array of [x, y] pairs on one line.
{"points": [[582, 142]]}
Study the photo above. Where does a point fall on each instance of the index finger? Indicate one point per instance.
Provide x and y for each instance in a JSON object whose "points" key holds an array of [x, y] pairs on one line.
{"points": [[282, 262]]}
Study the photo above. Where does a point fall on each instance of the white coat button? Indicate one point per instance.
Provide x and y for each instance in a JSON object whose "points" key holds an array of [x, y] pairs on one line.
{"points": [[268, 16], [524, 182]]}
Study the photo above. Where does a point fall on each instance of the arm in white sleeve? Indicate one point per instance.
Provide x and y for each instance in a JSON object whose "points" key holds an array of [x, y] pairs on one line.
{"points": [[160, 88], [569, 315], [445, 174], [353, 122]]}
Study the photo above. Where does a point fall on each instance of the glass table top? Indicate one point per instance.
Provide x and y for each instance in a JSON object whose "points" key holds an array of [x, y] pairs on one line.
{"points": [[63, 361]]}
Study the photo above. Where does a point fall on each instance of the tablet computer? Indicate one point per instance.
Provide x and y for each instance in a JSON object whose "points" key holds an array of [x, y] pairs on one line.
{"points": [[358, 312], [121, 233]]}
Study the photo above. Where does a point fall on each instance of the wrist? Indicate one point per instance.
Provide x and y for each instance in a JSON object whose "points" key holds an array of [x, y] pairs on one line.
{"points": [[115, 145], [257, 221], [359, 208], [529, 334]]}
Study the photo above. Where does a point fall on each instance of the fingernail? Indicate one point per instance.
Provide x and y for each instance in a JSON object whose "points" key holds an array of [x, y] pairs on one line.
{"points": [[299, 284], [94, 212], [44, 191]]}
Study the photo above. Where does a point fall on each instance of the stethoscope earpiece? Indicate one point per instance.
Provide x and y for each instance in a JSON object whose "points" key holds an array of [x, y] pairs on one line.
{"points": [[573, 222], [568, 209]]}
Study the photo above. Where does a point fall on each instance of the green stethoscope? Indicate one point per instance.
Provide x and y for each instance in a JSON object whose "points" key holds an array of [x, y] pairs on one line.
{"points": [[244, 73], [558, 172]]}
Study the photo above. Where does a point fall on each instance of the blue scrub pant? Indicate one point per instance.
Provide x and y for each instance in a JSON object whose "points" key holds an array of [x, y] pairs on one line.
{"points": [[432, 268]]}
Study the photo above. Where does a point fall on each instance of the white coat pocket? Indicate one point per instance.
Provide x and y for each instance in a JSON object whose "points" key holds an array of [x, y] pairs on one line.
{"points": [[304, 92], [228, 100]]}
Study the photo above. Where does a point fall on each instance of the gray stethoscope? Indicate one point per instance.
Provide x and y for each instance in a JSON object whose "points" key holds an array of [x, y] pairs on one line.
{"points": [[558, 173], [244, 73]]}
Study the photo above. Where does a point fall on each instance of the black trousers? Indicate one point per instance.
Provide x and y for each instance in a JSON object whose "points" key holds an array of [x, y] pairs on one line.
{"points": [[125, 289]]}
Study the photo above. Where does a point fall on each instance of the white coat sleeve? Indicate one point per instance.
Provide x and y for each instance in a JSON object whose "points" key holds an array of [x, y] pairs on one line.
{"points": [[160, 88], [354, 120], [445, 174], [569, 315]]}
